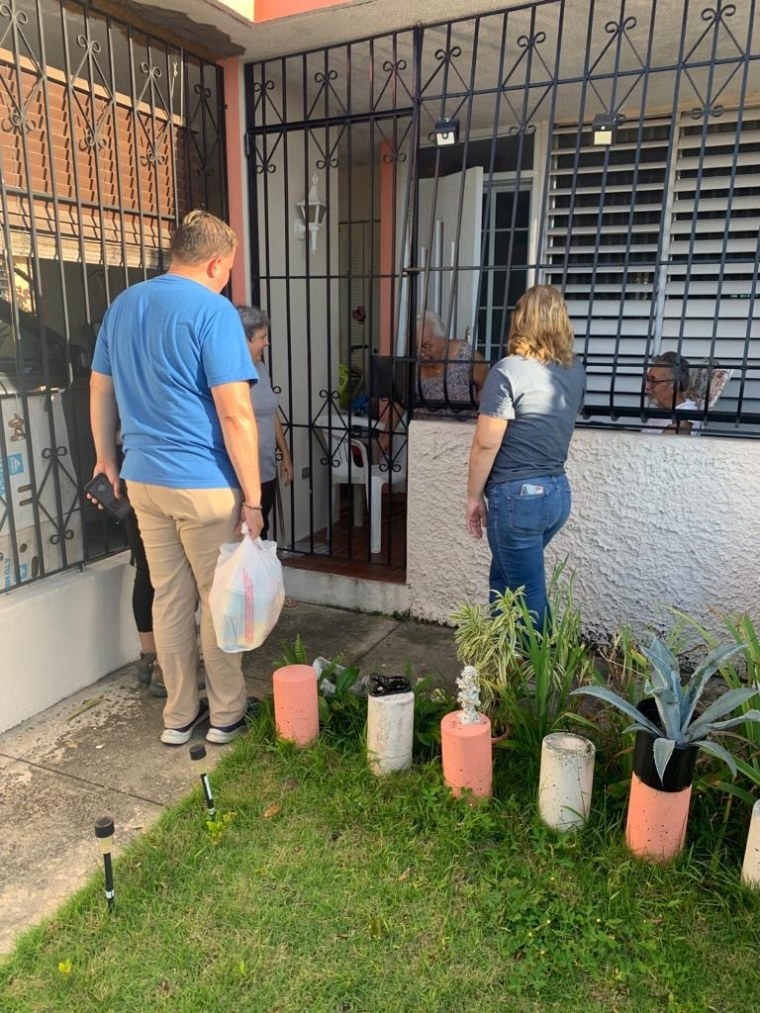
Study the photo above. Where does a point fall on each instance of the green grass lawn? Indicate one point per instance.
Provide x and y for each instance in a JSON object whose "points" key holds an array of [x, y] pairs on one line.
{"points": [[360, 894]]}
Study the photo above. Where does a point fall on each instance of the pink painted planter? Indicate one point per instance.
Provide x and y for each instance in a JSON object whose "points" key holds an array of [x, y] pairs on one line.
{"points": [[656, 824], [467, 762], [296, 712]]}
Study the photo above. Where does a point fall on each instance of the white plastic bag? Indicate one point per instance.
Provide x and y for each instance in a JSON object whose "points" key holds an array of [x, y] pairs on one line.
{"points": [[247, 594]]}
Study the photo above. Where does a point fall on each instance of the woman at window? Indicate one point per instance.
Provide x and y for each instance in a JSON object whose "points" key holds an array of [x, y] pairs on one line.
{"points": [[527, 413], [449, 369]]}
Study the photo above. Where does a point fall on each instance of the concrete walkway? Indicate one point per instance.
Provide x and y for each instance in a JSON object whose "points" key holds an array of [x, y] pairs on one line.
{"points": [[98, 753]]}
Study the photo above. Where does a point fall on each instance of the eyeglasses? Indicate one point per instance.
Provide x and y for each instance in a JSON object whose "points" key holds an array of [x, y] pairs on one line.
{"points": [[651, 381]]}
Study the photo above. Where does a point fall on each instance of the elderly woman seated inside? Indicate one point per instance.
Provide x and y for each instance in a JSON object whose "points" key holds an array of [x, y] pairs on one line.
{"points": [[450, 371]]}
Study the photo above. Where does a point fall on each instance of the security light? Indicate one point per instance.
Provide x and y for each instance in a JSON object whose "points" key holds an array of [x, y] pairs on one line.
{"points": [[446, 132], [604, 127]]}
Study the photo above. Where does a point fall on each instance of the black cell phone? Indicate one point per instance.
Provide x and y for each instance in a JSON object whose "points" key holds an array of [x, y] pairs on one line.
{"points": [[101, 490]]}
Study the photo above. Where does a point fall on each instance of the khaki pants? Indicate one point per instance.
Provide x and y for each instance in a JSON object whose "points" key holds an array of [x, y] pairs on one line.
{"points": [[182, 530]]}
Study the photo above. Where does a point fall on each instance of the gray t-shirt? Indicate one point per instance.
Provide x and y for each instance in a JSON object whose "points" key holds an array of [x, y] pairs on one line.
{"points": [[540, 401], [264, 401]]}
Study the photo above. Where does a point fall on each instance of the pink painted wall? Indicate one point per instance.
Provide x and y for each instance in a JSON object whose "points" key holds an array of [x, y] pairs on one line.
{"points": [[270, 10], [236, 172]]}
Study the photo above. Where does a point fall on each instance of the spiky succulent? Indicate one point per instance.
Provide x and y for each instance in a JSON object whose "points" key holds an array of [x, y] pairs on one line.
{"points": [[677, 704]]}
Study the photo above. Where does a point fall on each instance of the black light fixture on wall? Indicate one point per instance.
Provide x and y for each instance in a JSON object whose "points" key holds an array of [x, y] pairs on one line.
{"points": [[446, 132], [604, 127]]}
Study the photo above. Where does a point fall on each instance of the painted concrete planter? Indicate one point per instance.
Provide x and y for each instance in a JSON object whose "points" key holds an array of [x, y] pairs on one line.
{"points": [[658, 811], [566, 780], [390, 732], [751, 866], [466, 751], [296, 710]]}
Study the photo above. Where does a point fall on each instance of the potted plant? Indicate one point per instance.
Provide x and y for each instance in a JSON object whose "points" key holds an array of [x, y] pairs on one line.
{"points": [[670, 729], [466, 742]]}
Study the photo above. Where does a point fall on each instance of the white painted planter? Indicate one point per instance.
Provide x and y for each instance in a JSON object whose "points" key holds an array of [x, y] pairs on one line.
{"points": [[390, 732], [751, 866], [566, 780]]}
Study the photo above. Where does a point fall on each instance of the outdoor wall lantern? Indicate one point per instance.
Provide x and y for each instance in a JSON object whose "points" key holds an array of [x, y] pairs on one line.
{"points": [[313, 211], [446, 132], [604, 127]]}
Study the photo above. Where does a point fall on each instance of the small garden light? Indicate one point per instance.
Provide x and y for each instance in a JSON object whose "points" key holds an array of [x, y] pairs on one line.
{"points": [[198, 756], [104, 833]]}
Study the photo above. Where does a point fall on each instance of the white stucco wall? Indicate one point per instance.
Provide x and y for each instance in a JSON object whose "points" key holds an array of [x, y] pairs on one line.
{"points": [[64, 633], [657, 521]]}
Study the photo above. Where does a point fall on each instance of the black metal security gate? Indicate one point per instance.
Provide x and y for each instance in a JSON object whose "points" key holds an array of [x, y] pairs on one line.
{"points": [[107, 136], [606, 147]]}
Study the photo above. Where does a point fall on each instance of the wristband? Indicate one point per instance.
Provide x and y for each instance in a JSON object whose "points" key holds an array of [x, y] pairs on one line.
{"points": [[251, 506]]}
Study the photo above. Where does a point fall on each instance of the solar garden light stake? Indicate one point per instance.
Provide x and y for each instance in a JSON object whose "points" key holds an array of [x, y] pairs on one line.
{"points": [[104, 834], [198, 756]]}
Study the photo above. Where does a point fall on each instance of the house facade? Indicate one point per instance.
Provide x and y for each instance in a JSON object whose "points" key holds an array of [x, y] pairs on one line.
{"points": [[375, 171]]}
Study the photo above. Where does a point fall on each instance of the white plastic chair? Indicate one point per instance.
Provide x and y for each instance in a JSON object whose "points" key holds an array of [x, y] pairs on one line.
{"points": [[391, 471], [347, 472]]}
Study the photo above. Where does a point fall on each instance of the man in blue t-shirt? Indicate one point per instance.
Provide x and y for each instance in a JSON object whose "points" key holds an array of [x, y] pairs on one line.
{"points": [[172, 365]]}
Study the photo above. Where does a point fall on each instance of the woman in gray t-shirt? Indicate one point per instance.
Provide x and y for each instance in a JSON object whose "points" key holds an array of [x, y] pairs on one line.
{"points": [[265, 407], [526, 418]]}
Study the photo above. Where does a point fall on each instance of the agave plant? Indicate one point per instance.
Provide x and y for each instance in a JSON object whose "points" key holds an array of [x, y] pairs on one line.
{"points": [[677, 704]]}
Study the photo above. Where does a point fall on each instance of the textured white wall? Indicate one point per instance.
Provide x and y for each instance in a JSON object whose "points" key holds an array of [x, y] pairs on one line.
{"points": [[657, 521], [63, 633]]}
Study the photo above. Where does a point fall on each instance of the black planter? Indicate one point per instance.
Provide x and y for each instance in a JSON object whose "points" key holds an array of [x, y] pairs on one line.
{"points": [[679, 772]]}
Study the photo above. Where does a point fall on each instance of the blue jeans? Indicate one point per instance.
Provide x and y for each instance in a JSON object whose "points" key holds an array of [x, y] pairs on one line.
{"points": [[520, 525]]}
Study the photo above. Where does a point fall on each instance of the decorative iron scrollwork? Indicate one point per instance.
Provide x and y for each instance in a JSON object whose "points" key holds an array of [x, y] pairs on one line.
{"points": [[151, 71], [713, 14], [447, 55], [620, 27], [91, 46], [16, 17], [706, 111], [531, 41]]}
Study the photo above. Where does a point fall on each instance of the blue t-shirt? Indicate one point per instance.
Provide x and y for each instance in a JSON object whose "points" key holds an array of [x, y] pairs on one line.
{"points": [[166, 342]]}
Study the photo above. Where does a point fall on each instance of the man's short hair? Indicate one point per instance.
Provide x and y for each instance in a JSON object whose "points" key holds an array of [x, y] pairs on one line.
{"points": [[200, 237], [678, 366]]}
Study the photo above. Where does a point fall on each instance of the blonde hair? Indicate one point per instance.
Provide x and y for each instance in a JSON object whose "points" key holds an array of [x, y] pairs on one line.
{"points": [[540, 327], [200, 236]]}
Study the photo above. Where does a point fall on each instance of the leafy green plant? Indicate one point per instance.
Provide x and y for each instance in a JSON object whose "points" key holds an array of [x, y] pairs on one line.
{"points": [[295, 653], [677, 704], [342, 711], [525, 675], [431, 704], [743, 633], [218, 827]]}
